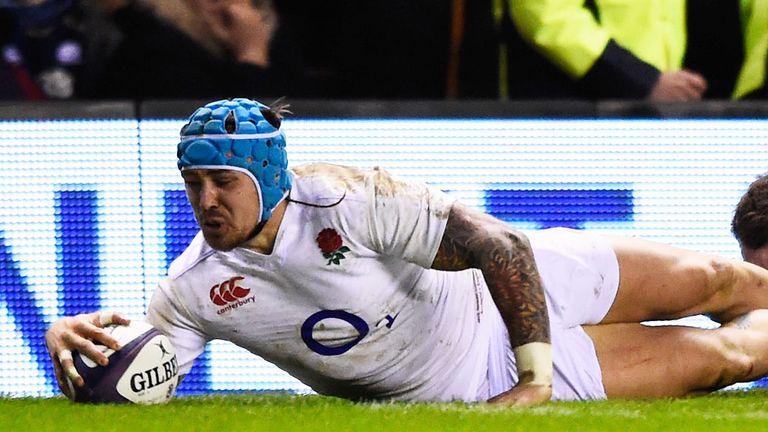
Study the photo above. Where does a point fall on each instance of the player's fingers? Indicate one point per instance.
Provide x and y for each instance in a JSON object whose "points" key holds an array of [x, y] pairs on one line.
{"points": [[93, 329], [106, 318], [68, 366], [523, 395], [58, 372], [85, 346]]}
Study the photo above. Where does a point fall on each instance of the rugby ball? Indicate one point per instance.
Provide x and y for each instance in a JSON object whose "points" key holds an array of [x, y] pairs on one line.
{"points": [[144, 371]]}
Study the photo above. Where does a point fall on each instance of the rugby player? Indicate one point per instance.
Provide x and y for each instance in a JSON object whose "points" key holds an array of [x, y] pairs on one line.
{"points": [[368, 287], [750, 222]]}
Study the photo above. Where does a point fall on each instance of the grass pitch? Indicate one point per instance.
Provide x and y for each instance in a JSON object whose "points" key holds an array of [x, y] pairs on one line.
{"points": [[723, 411]]}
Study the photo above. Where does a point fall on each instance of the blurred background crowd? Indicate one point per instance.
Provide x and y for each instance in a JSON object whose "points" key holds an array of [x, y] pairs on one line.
{"points": [[660, 50]]}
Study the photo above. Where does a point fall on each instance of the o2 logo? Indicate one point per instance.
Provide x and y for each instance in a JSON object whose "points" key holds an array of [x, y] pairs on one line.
{"points": [[309, 324]]}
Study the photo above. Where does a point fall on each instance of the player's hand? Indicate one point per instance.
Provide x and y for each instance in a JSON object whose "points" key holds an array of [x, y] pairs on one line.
{"points": [[78, 333], [679, 86], [523, 395]]}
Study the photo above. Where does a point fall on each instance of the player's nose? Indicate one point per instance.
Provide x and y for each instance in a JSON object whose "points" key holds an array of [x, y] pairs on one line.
{"points": [[209, 196]]}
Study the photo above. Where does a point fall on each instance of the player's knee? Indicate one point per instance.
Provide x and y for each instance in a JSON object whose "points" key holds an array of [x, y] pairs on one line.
{"points": [[728, 363]]}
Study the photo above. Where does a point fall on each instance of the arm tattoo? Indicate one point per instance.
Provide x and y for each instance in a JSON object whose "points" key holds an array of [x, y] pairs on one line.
{"points": [[477, 240]]}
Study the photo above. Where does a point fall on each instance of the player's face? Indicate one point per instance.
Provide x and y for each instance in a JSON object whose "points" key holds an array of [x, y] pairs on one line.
{"points": [[757, 256], [225, 203]]}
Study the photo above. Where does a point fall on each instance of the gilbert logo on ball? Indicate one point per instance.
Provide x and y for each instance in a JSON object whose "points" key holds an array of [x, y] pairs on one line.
{"points": [[144, 371]]}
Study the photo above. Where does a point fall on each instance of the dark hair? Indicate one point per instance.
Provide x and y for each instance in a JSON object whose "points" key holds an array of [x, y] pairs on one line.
{"points": [[750, 220], [274, 114]]}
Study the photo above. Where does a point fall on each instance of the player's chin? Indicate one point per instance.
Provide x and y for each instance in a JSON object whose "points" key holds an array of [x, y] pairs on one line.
{"points": [[219, 242]]}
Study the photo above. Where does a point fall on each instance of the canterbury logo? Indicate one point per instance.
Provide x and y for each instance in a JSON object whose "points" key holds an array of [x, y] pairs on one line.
{"points": [[228, 291]]}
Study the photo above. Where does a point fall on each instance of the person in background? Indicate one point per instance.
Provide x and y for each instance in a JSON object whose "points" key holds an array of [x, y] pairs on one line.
{"points": [[52, 49], [659, 50], [237, 48], [622, 50]]}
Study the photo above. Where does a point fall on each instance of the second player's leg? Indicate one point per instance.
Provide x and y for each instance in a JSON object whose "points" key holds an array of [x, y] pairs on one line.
{"points": [[658, 281], [639, 361]]}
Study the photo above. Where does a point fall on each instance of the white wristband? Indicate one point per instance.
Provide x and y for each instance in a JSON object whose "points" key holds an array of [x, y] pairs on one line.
{"points": [[534, 363]]}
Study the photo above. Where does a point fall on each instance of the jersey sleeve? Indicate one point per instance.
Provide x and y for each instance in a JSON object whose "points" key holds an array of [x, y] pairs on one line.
{"points": [[166, 314], [406, 219]]}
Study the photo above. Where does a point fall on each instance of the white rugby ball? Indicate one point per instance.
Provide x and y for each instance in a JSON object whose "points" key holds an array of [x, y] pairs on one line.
{"points": [[144, 371]]}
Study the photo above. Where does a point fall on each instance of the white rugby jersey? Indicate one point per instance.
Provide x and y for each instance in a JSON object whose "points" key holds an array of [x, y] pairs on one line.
{"points": [[346, 302]]}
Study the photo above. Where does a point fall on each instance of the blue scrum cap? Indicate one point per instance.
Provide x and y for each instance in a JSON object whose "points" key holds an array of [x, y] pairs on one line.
{"points": [[243, 135]]}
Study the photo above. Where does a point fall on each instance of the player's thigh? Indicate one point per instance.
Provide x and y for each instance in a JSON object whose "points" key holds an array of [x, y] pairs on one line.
{"points": [[639, 361], [658, 281]]}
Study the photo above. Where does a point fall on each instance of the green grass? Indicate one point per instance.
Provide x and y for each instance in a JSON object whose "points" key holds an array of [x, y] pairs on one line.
{"points": [[724, 411]]}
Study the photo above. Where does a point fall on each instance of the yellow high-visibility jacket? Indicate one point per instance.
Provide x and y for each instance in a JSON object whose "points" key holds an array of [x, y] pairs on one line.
{"points": [[754, 21], [568, 35], [631, 42]]}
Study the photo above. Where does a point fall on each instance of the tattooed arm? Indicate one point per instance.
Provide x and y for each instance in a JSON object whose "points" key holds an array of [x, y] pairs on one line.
{"points": [[476, 240]]}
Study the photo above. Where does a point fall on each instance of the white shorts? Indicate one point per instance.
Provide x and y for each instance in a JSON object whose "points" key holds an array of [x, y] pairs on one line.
{"points": [[580, 274]]}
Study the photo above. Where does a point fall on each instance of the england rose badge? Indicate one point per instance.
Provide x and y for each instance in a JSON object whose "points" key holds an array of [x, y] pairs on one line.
{"points": [[331, 245]]}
